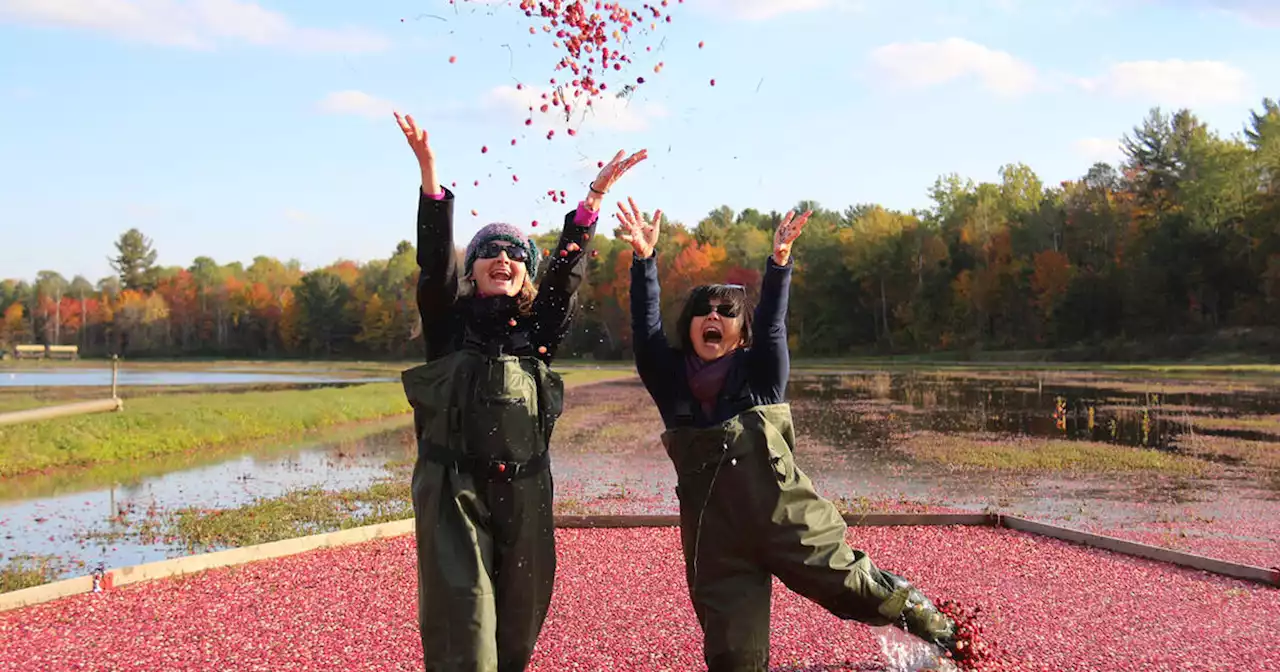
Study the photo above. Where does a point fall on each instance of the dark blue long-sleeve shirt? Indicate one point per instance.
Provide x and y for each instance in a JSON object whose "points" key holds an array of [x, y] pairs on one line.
{"points": [[662, 367]]}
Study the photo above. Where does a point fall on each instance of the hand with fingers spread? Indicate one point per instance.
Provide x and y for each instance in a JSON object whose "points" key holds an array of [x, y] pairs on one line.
{"points": [[786, 234], [610, 174], [418, 142], [640, 232]]}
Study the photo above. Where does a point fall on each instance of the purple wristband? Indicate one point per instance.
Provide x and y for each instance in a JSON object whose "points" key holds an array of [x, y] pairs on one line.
{"points": [[584, 216], [438, 196]]}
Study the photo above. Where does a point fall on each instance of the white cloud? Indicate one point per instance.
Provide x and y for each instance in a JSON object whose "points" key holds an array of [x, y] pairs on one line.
{"points": [[605, 112], [1173, 82], [356, 103], [759, 10], [197, 24], [925, 64], [1098, 149]]}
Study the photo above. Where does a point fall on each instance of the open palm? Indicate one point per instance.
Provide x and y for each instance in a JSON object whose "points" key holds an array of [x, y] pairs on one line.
{"points": [[640, 232], [787, 232]]}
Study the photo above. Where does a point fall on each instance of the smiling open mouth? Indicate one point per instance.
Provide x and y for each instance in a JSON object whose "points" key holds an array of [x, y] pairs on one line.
{"points": [[500, 274], [712, 335]]}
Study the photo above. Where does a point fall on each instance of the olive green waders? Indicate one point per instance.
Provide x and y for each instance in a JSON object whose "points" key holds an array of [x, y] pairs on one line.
{"points": [[482, 503], [747, 513]]}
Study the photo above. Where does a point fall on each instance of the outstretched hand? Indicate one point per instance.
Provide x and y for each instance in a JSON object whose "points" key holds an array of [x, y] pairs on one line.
{"points": [[418, 142], [616, 168], [786, 234], [610, 173], [417, 137], [640, 232]]}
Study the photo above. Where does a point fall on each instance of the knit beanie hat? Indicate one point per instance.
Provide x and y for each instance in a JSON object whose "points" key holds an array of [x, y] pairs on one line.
{"points": [[509, 233]]}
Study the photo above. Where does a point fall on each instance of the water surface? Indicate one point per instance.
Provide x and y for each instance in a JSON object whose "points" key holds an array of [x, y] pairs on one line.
{"points": [[89, 377]]}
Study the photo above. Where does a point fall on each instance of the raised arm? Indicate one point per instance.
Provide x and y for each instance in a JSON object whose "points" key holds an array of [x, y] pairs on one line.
{"points": [[769, 357], [558, 289], [437, 261], [648, 339], [654, 356]]}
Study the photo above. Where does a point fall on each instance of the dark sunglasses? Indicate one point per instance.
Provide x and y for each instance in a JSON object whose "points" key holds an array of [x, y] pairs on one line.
{"points": [[493, 248], [726, 310]]}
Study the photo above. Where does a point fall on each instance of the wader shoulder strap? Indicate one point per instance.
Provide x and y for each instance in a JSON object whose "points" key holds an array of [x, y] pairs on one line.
{"points": [[550, 397], [688, 412]]}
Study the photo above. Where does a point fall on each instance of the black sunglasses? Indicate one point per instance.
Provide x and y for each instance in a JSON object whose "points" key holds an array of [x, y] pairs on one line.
{"points": [[703, 305], [706, 308], [493, 248]]}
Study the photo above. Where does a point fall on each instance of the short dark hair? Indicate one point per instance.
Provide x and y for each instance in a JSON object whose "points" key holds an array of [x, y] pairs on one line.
{"points": [[734, 295]]}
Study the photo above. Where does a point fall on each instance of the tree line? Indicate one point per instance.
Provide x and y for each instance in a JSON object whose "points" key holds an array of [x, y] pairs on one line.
{"points": [[1178, 243]]}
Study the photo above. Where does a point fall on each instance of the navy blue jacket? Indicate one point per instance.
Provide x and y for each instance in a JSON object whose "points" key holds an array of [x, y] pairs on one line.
{"points": [[662, 367]]}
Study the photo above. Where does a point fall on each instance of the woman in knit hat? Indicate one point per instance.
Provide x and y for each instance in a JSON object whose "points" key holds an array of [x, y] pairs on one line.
{"points": [[485, 405]]}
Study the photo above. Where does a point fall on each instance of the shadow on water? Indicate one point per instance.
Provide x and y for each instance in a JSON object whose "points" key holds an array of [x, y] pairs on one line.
{"points": [[49, 514], [865, 411]]}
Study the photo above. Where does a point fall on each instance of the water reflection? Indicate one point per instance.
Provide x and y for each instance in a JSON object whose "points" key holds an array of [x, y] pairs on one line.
{"points": [[90, 377], [865, 410], [53, 514]]}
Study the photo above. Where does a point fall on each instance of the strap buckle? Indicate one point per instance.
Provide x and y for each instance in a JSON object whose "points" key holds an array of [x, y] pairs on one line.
{"points": [[501, 471]]}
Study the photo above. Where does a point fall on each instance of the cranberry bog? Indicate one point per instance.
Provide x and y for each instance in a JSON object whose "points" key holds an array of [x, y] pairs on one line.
{"points": [[1187, 465], [620, 605]]}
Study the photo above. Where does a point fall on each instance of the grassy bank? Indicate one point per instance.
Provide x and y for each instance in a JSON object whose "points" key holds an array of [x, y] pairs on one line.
{"points": [[1047, 455], [28, 571], [298, 513], [150, 427]]}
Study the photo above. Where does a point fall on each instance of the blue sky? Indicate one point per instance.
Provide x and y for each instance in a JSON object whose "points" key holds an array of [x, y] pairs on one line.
{"points": [[231, 129]]}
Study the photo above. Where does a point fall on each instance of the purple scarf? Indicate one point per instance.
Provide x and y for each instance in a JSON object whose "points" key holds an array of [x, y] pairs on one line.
{"points": [[706, 379]]}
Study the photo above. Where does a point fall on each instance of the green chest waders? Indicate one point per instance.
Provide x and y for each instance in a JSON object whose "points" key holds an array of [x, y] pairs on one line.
{"points": [[747, 513], [482, 498]]}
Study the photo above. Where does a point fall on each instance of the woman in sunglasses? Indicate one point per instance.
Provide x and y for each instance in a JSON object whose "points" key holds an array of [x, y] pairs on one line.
{"points": [[747, 512], [485, 405]]}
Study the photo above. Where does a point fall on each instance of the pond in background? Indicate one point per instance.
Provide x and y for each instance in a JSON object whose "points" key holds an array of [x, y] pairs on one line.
{"points": [[79, 377]]}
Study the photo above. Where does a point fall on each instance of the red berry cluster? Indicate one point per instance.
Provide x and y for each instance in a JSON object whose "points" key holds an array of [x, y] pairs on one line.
{"points": [[973, 651], [595, 40]]}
